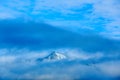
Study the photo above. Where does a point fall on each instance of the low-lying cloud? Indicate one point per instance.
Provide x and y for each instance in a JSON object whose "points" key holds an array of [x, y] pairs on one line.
{"points": [[24, 65]]}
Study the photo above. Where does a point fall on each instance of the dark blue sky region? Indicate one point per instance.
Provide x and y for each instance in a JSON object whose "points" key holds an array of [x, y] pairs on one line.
{"points": [[37, 36]]}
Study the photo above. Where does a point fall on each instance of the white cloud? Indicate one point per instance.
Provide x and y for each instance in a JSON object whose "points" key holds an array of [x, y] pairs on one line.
{"points": [[108, 9], [62, 6], [79, 54], [7, 59], [110, 68], [14, 9], [22, 65]]}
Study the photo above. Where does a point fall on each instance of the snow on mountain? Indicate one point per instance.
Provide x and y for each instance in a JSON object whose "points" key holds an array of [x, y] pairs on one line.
{"points": [[54, 56]]}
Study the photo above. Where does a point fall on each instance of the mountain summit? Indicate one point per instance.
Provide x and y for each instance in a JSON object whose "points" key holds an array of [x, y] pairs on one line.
{"points": [[54, 56]]}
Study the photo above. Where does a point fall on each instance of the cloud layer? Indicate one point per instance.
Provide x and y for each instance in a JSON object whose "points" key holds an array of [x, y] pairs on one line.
{"points": [[101, 16], [82, 67]]}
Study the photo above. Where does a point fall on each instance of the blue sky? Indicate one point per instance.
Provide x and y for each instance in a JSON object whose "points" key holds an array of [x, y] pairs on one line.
{"points": [[90, 25], [102, 17], [87, 32]]}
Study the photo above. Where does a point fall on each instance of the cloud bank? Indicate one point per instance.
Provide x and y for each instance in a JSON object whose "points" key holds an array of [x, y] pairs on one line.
{"points": [[82, 67]]}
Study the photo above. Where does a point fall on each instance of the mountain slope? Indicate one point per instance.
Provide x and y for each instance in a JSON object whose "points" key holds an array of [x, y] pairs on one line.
{"points": [[54, 56]]}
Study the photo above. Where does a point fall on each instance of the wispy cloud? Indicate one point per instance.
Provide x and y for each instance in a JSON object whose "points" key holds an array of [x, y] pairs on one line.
{"points": [[96, 15], [74, 70]]}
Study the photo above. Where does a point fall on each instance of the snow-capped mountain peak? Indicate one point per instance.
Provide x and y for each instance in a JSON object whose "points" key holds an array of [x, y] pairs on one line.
{"points": [[54, 56]]}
